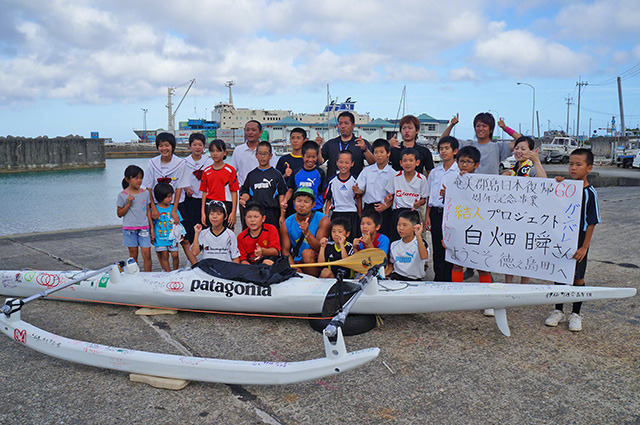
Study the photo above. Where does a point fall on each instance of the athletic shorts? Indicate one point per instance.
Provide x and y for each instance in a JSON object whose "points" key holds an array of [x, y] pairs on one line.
{"points": [[166, 248], [581, 267], [133, 238]]}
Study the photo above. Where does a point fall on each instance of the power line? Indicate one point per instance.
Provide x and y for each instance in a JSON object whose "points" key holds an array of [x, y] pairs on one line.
{"points": [[631, 72]]}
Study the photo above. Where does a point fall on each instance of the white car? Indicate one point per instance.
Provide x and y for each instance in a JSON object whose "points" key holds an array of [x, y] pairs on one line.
{"points": [[636, 160], [436, 156], [507, 164]]}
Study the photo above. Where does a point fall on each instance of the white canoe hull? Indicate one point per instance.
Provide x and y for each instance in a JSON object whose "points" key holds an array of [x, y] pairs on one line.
{"points": [[195, 289], [337, 359]]}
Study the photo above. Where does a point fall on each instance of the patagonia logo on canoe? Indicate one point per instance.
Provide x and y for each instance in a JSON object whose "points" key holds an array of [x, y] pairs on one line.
{"points": [[230, 288]]}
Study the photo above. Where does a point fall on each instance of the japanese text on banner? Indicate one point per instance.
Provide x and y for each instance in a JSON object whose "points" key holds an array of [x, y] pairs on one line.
{"points": [[521, 226]]}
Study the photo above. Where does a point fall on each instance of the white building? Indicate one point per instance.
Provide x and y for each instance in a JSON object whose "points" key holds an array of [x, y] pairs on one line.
{"points": [[430, 129]]}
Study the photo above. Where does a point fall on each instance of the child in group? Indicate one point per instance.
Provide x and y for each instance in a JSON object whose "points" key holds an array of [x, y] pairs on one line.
{"points": [[447, 149], [289, 164], [340, 196], [528, 165], [167, 168], [372, 181], [265, 186], [133, 206], [468, 162], [370, 222], [218, 241], [408, 255], [194, 166], [580, 165], [408, 189], [219, 183], [336, 249], [260, 241], [163, 227], [310, 175]]}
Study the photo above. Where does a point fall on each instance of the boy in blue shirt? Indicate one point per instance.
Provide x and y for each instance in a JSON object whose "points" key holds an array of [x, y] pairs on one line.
{"points": [[370, 222], [580, 165], [310, 175]]}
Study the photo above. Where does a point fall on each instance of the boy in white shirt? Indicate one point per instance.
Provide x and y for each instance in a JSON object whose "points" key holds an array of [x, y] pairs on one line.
{"points": [[372, 182], [218, 241], [408, 255], [447, 149], [340, 197], [408, 189]]}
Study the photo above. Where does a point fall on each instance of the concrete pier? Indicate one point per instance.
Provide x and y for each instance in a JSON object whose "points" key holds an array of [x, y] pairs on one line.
{"points": [[440, 368], [20, 154]]}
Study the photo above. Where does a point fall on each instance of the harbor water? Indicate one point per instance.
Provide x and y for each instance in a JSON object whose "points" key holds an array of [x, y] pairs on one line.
{"points": [[62, 200]]}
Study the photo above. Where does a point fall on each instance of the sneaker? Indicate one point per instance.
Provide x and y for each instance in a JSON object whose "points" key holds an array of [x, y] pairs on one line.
{"points": [[575, 322], [555, 317], [489, 312], [468, 273]]}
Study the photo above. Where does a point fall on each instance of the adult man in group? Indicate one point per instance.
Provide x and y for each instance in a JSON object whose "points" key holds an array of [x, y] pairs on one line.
{"points": [[491, 153], [359, 148], [409, 128], [244, 157]]}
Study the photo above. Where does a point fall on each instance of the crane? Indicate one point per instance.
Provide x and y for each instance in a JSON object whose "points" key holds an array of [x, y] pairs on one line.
{"points": [[172, 114]]}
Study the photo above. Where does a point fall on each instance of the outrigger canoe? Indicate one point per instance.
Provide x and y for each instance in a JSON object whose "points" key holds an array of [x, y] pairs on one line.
{"points": [[197, 289]]}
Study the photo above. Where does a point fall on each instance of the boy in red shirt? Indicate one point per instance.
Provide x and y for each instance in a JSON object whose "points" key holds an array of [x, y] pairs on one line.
{"points": [[260, 241]]}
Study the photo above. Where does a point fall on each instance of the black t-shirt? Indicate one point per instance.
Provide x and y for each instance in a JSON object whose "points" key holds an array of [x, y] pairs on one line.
{"points": [[264, 187], [331, 149], [425, 157], [294, 162]]}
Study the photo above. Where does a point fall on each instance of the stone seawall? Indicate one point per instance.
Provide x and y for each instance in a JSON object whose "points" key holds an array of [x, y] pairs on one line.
{"points": [[139, 150], [21, 154]]}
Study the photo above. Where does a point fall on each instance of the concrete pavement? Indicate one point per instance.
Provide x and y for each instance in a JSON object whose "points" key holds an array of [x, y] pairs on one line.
{"points": [[447, 367]]}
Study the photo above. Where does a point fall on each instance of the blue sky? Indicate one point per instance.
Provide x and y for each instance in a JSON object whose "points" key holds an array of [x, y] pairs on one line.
{"points": [[73, 67]]}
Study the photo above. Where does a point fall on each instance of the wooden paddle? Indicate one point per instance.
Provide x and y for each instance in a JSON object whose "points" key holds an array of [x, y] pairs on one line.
{"points": [[360, 262]]}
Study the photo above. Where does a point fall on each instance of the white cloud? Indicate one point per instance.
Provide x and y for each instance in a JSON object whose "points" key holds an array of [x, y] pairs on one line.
{"points": [[463, 74], [519, 53], [601, 19], [410, 73]]}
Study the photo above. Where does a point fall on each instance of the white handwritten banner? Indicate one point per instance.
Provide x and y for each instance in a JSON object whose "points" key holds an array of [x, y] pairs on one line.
{"points": [[521, 226]]}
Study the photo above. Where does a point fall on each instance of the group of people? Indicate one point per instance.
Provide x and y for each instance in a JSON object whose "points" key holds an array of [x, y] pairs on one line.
{"points": [[384, 194]]}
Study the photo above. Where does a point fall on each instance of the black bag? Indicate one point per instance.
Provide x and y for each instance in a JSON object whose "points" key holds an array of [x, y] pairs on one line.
{"points": [[259, 274]]}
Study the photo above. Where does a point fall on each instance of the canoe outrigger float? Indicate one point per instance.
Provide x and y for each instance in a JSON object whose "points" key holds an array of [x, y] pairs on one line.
{"points": [[204, 290]]}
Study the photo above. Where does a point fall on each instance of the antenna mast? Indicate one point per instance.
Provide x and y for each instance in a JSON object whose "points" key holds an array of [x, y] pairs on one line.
{"points": [[229, 84]]}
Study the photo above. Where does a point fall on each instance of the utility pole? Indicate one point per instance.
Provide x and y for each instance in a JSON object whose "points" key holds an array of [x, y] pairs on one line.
{"points": [[548, 125], [580, 83], [537, 122], [624, 129], [569, 100]]}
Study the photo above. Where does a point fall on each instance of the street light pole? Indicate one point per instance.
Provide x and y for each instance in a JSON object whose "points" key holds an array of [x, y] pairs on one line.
{"points": [[533, 112], [144, 123]]}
